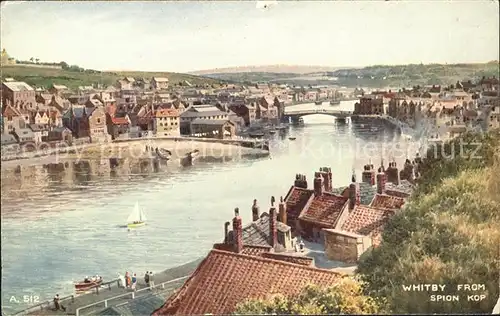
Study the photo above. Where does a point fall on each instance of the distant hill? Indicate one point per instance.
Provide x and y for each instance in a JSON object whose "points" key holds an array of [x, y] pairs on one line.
{"points": [[73, 79], [378, 76], [278, 69]]}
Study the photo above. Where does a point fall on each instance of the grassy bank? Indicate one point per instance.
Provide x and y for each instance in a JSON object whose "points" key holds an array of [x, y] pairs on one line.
{"points": [[73, 79], [448, 235]]}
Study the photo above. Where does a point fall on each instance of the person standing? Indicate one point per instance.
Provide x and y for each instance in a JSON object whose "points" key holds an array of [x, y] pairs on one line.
{"points": [[127, 280], [57, 303], [151, 280], [134, 282], [146, 278]]}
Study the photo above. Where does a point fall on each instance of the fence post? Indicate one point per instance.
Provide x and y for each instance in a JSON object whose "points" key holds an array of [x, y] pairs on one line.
{"points": [[106, 303], [109, 286], [97, 289], [133, 295]]}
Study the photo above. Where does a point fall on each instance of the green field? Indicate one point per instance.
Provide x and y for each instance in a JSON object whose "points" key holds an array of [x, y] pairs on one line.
{"points": [[44, 77]]}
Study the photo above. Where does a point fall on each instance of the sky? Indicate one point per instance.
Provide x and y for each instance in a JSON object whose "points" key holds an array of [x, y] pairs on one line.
{"points": [[189, 36]]}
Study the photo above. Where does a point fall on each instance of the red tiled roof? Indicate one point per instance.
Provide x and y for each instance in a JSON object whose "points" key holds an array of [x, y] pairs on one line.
{"points": [[387, 201], [119, 120], [166, 113], [296, 200], [324, 209], [306, 261], [247, 249], [224, 279], [10, 111], [368, 221]]}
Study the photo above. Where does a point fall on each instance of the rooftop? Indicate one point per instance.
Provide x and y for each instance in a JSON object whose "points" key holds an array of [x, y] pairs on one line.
{"points": [[387, 201], [18, 86], [325, 209], [296, 200], [224, 279], [366, 220]]}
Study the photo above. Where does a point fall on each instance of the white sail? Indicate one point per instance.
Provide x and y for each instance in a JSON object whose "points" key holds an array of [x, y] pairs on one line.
{"points": [[137, 215]]}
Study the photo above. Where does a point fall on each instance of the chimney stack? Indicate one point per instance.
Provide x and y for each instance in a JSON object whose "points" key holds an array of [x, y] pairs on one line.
{"points": [[273, 233], [318, 184], [255, 211], [300, 181], [368, 175], [282, 211], [354, 194], [381, 181], [237, 231], [226, 232], [327, 178], [392, 173]]}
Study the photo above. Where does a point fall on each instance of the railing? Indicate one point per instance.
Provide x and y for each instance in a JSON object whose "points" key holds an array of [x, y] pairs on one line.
{"points": [[319, 111], [131, 294]]}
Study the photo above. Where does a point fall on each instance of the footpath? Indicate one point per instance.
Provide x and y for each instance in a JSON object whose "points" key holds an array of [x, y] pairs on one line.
{"points": [[111, 295]]}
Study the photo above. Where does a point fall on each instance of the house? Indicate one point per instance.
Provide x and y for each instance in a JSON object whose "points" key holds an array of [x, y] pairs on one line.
{"points": [[23, 135], [60, 134], [228, 277], [59, 103], [18, 93], [126, 83], [40, 132], [12, 118], [369, 105], [266, 229], [166, 122], [159, 83], [58, 89], [87, 122], [9, 144], [41, 118], [117, 126], [205, 112], [222, 129]]}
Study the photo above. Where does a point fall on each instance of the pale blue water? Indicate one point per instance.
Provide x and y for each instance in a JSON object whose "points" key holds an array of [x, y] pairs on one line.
{"points": [[54, 234]]}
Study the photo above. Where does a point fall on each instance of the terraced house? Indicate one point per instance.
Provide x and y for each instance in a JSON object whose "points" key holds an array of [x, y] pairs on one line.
{"points": [[167, 122]]}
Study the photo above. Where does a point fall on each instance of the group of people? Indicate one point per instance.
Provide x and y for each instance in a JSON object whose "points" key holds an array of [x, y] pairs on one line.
{"points": [[130, 280], [95, 278]]}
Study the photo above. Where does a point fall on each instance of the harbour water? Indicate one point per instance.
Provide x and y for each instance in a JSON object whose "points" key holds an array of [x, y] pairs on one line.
{"points": [[54, 233]]}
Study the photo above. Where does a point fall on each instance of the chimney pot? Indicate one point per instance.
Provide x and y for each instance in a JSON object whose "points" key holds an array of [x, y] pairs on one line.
{"points": [[226, 232], [237, 232], [282, 211], [354, 195], [318, 184], [273, 232], [255, 211]]}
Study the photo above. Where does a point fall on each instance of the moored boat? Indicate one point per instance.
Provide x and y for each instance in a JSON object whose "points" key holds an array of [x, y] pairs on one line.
{"points": [[318, 102], [292, 138], [87, 285]]}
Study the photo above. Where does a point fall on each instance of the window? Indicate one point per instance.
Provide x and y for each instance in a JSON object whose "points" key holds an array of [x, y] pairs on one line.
{"points": [[98, 121]]}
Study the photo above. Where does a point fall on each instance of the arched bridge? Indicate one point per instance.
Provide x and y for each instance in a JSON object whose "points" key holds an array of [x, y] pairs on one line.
{"points": [[296, 114]]}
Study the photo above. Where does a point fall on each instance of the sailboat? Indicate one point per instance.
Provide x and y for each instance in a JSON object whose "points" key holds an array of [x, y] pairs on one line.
{"points": [[136, 218]]}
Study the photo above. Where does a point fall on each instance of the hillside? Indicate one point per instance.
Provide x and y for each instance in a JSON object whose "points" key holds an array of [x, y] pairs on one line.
{"points": [[448, 234], [277, 69], [73, 79], [378, 76]]}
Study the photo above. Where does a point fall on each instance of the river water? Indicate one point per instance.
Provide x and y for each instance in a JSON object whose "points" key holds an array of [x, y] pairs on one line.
{"points": [[54, 233]]}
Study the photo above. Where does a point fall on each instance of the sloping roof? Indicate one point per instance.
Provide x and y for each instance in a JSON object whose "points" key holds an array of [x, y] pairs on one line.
{"points": [[302, 260], [325, 209], [368, 221], [258, 233], [251, 250], [18, 86], [387, 201], [403, 189], [8, 139], [210, 122], [164, 112], [202, 114], [296, 200], [78, 111], [160, 79], [366, 192], [225, 279]]}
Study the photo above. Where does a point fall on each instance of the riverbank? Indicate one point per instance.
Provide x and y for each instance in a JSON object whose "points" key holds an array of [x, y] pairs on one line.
{"points": [[143, 149], [114, 295]]}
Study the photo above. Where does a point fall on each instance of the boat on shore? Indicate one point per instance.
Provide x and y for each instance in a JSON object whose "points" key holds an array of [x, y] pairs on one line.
{"points": [[292, 138], [137, 218], [318, 102]]}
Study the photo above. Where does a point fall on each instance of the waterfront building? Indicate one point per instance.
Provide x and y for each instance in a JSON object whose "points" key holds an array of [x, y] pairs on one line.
{"points": [[117, 125], [200, 112], [12, 118], [167, 122], [369, 105], [223, 129], [40, 132], [241, 273], [24, 135], [87, 122], [60, 134]]}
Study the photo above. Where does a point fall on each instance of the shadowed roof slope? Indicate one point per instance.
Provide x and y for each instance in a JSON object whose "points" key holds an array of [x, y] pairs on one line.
{"points": [[324, 209], [387, 201], [225, 279]]}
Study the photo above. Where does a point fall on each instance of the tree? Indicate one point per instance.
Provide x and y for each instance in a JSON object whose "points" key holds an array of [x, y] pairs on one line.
{"points": [[346, 297], [37, 60], [31, 59]]}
